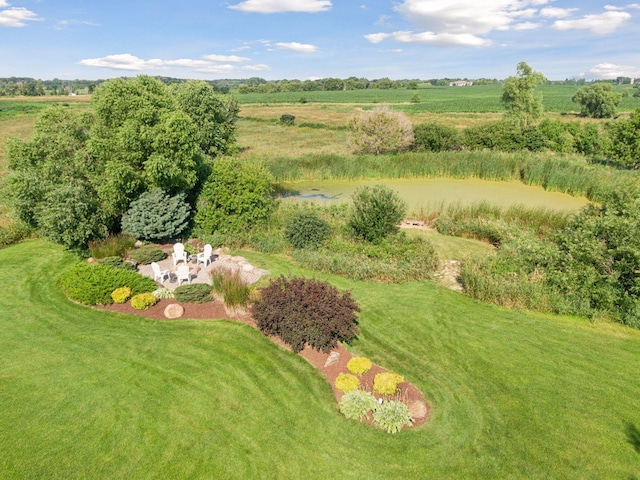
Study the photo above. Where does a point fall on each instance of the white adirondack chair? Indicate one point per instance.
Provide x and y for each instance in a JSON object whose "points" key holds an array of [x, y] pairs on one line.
{"points": [[205, 256], [183, 272], [179, 255], [158, 273]]}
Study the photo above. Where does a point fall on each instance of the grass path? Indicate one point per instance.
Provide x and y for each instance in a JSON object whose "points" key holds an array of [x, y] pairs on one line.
{"points": [[92, 394]]}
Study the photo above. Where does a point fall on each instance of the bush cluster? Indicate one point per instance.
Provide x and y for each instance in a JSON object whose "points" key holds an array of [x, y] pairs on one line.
{"points": [[386, 383], [305, 229], [376, 213], [345, 382], [93, 284], [391, 416], [147, 254], [116, 262], [121, 295], [305, 311], [359, 365], [357, 404], [13, 233], [379, 131], [163, 293], [193, 293], [143, 301]]}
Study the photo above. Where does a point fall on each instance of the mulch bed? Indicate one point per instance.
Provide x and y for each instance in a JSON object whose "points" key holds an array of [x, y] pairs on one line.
{"points": [[215, 310]]}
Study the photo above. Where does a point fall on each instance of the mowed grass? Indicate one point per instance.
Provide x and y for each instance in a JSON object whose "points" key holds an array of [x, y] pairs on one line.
{"points": [[91, 394]]}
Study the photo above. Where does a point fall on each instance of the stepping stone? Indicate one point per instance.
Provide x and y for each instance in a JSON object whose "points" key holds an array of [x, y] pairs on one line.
{"points": [[238, 259], [173, 310], [334, 357]]}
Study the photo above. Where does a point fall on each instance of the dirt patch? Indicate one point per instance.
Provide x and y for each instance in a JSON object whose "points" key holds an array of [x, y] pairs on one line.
{"points": [[215, 310]]}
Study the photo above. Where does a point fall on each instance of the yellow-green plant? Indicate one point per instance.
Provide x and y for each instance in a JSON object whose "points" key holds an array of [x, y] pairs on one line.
{"points": [[347, 382], [143, 301], [121, 295], [386, 383], [359, 365]]}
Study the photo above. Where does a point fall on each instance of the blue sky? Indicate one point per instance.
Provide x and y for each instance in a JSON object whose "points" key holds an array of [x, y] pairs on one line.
{"points": [[306, 39]]}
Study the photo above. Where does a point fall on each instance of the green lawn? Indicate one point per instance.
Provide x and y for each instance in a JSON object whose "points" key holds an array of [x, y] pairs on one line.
{"points": [[90, 394]]}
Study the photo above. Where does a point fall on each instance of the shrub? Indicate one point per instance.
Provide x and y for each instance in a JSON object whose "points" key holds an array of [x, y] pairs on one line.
{"points": [[147, 254], [391, 416], [359, 365], [597, 100], [376, 213], [112, 246], [346, 382], [193, 293], [357, 404], [163, 293], [121, 295], [93, 284], [302, 311], [13, 233], [236, 196], [305, 229], [155, 215], [143, 301], [287, 119], [232, 287], [435, 137], [380, 131], [386, 383], [116, 262]]}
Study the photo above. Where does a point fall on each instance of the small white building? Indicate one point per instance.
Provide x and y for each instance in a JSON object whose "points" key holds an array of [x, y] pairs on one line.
{"points": [[460, 83]]}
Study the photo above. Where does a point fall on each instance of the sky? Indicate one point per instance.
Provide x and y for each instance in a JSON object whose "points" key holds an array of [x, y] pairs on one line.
{"points": [[310, 39]]}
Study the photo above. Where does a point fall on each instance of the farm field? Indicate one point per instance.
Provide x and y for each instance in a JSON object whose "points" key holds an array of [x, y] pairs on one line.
{"points": [[91, 394]]}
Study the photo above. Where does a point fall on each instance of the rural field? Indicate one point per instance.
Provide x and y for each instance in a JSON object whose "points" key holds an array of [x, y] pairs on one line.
{"points": [[91, 394]]}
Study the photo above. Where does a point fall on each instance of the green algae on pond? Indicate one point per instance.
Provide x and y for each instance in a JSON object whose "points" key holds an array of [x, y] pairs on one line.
{"points": [[431, 192]]}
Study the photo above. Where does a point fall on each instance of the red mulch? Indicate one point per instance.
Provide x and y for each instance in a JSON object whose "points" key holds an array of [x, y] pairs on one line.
{"points": [[215, 310]]}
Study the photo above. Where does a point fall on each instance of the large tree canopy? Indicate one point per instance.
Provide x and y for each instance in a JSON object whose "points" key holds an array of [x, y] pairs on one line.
{"points": [[142, 135], [597, 100], [522, 104]]}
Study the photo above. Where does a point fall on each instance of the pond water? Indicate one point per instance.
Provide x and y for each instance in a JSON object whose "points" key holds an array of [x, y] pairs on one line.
{"points": [[430, 193]]}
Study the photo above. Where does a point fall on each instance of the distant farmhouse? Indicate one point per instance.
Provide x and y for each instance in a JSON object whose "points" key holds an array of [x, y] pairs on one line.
{"points": [[460, 83]]}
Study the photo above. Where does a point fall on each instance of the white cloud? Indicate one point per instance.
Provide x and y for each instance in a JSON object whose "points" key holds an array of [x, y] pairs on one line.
{"points": [[474, 17], [16, 17], [607, 22], [207, 64], [297, 47], [526, 26], [4, 3], [554, 12], [439, 39], [278, 6], [635, 6], [610, 71]]}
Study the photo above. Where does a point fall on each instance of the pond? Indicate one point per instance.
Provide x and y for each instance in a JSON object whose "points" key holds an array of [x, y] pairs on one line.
{"points": [[432, 192]]}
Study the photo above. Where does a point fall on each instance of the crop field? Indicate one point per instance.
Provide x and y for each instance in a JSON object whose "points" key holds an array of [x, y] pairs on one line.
{"points": [[475, 99]]}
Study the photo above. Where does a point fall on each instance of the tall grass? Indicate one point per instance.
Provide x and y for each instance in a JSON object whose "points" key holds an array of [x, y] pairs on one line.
{"points": [[560, 173], [233, 288]]}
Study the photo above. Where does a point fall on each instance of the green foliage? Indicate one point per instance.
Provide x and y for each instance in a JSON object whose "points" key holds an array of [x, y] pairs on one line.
{"points": [[522, 105], [215, 115], [376, 213], [435, 137], [391, 416], [305, 229], [112, 246], [357, 404], [193, 293], [395, 259], [236, 197], [386, 383], [345, 382], [359, 365], [143, 301], [163, 293], [232, 287], [13, 233], [306, 311], [93, 284], [597, 100], [116, 262], [287, 119], [624, 147], [121, 295], [146, 254], [499, 135], [380, 131], [156, 216]]}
